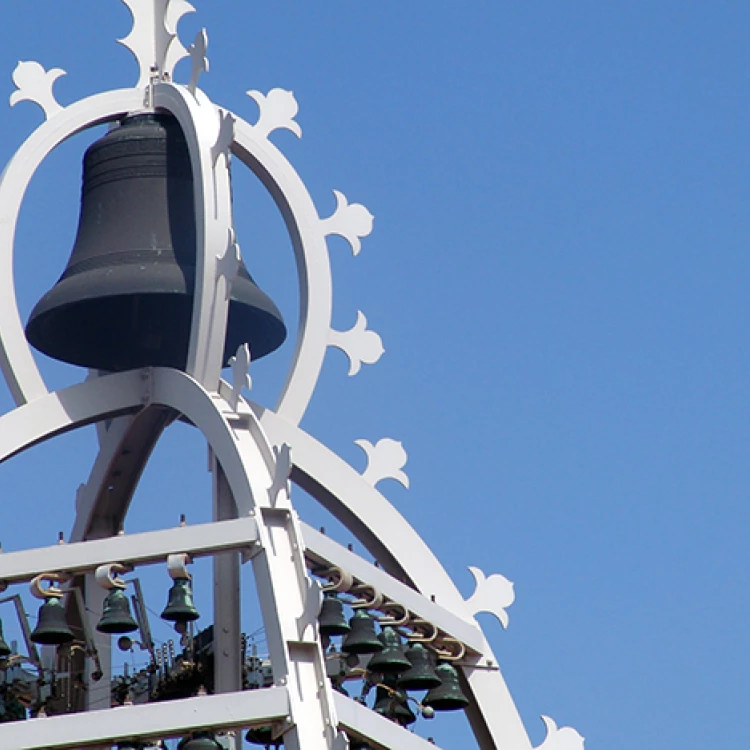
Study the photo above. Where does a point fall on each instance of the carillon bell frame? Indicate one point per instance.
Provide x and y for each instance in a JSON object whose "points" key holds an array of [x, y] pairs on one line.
{"points": [[256, 451]]}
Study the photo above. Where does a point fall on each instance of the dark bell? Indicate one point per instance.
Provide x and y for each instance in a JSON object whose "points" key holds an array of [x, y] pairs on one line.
{"points": [[51, 627], [421, 675], [392, 659], [125, 298], [447, 696], [331, 620], [5, 649], [180, 607], [263, 736], [116, 617], [391, 703], [362, 638], [199, 741]]}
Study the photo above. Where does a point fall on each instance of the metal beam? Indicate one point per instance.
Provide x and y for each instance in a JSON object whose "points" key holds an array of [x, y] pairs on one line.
{"points": [[143, 548], [149, 720], [364, 722]]}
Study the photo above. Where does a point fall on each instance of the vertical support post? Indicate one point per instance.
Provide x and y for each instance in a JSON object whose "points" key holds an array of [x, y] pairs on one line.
{"points": [[227, 635], [98, 693]]}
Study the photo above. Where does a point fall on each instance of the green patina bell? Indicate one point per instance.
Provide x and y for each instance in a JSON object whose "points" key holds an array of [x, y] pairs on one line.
{"points": [[263, 736], [5, 649], [392, 659], [116, 617], [447, 696], [362, 638], [421, 675], [391, 703], [199, 741], [180, 607], [331, 620], [51, 627]]}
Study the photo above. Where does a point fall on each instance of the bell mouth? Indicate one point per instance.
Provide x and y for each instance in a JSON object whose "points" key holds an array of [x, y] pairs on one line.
{"points": [[138, 329]]}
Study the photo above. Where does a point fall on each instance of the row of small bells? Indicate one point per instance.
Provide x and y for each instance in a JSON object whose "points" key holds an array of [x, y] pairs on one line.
{"points": [[398, 669], [52, 629], [402, 668]]}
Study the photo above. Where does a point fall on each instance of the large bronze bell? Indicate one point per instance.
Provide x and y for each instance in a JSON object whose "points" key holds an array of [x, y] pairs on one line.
{"points": [[116, 617], [447, 696], [421, 675], [5, 649], [361, 638], [180, 607], [125, 298], [51, 627], [331, 620], [392, 659], [391, 703]]}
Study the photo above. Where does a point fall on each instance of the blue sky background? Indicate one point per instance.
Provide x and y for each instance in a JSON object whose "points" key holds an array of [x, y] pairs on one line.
{"points": [[559, 271]]}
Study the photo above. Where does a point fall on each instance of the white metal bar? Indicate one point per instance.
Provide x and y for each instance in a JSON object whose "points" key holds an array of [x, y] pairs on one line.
{"points": [[322, 548], [227, 627], [142, 548], [364, 722], [149, 720]]}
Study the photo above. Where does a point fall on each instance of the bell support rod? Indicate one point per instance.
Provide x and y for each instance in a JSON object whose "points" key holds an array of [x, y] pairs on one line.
{"points": [[143, 548]]}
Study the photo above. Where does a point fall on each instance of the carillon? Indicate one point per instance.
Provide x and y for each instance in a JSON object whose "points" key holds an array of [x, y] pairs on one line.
{"points": [[154, 301]]}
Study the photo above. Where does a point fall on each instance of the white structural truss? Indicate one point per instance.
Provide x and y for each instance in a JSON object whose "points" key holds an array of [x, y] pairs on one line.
{"points": [[257, 452]]}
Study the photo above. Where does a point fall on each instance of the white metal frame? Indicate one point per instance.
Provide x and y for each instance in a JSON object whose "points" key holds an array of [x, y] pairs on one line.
{"points": [[254, 450]]}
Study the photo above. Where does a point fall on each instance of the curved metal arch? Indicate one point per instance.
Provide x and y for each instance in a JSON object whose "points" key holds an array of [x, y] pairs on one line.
{"points": [[249, 470], [16, 360], [403, 553], [303, 223]]}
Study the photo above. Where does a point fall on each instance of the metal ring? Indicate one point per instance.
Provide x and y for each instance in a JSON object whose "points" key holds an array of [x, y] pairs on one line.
{"points": [[388, 619], [451, 654], [418, 625], [53, 592], [176, 565], [338, 579], [107, 580], [375, 602]]}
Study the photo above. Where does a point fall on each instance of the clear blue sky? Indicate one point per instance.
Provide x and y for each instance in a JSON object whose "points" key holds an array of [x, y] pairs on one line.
{"points": [[559, 271]]}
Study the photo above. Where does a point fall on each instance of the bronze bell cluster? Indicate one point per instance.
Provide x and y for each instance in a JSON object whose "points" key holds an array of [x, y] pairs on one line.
{"points": [[392, 668], [125, 298]]}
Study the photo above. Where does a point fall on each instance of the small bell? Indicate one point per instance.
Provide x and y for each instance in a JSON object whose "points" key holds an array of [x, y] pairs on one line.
{"points": [[199, 741], [392, 659], [180, 607], [447, 696], [391, 703], [362, 638], [422, 675], [51, 627], [5, 649], [116, 617], [331, 620], [263, 736]]}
